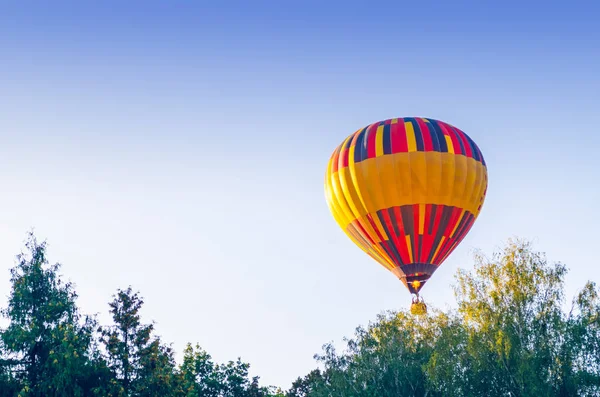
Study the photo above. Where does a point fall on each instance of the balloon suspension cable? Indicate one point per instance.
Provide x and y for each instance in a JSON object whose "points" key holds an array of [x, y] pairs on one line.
{"points": [[418, 306]]}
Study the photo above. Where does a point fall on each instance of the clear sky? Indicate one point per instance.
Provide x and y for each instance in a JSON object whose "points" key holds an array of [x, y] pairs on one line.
{"points": [[181, 147]]}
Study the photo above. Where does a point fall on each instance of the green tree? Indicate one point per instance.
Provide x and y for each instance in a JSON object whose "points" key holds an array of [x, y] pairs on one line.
{"points": [[509, 337], [307, 386], [141, 364], [579, 357], [385, 359], [199, 374], [203, 377], [512, 337], [48, 344]]}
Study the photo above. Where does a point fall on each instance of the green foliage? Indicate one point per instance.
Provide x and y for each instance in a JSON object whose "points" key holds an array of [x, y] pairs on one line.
{"points": [[509, 336], [46, 346], [50, 349], [202, 377], [141, 364], [385, 359]]}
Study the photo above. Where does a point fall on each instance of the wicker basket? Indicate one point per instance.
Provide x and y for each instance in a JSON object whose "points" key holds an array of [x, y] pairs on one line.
{"points": [[418, 308]]}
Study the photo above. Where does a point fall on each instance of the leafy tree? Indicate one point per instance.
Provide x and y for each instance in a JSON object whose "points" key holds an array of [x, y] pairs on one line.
{"points": [[47, 346], [512, 337], [385, 359], [199, 373], [141, 364], [579, 356], [307, 386], [157, 371], [509, 337], [202, 377]]}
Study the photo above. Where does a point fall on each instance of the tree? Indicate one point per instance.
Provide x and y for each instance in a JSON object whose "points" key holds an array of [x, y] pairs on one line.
{"points": [[509, 337], [157, 371], [307, 386], [579, 357], [385, 359], [141, 364], [202, 377], [512, 337], [48, 343], [199, 373]]}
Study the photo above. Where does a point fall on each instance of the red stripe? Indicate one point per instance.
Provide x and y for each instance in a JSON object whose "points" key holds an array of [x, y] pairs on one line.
{"points": [[461, 134], [461, 225], [453, 137], [360, 228], [427, 219], [451, 248], [426, 133], [388, 224], [438, 217], [415, 237], [392, 237], [371, 134], [374, 226], [399, 223], [443, 250], [427, 243], [344, 158], [452, 222], [402, 247], [447, 248], [334, 161], [403, 251], [358, 236], [398, 133], [435, 260], [467, 227]]}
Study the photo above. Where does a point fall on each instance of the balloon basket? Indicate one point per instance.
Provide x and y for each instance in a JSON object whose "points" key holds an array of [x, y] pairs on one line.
{"points": [[418, 307]]}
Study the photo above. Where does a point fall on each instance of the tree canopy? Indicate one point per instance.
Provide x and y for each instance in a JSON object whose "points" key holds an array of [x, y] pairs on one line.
{"points": [[513, 333]]}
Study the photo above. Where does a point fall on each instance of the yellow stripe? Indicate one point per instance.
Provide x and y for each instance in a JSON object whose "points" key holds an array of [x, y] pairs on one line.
{"points": [[452, 247], [379, 227], [410, 255], [394, 121], [439, 246], [410, 137], [421, 218], [377, 249], [379, 142], [462, 214], [449, 144], [368, 249]]}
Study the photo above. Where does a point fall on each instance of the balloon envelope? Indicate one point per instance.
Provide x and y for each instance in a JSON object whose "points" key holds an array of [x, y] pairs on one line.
{"points": [[407, 191]]}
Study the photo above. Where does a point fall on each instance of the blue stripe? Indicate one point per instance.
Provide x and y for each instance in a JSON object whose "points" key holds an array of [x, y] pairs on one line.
{"points": [[418, 134], [395, 253], [460, 141], [474, 151], [440, 136], [359, 149], [392, 215], [387, 139], [435, 140]]}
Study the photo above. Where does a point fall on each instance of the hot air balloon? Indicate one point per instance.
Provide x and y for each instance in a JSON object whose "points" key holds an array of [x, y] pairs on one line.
{"points": [[407, 191]]}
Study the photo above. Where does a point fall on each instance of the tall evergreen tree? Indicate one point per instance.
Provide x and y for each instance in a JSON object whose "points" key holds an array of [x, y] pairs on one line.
{"points": [[47, 345], [141, 364]]}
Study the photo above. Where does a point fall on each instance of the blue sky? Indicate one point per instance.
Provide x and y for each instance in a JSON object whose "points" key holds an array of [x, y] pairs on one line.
{"points": [[180, 147]]}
